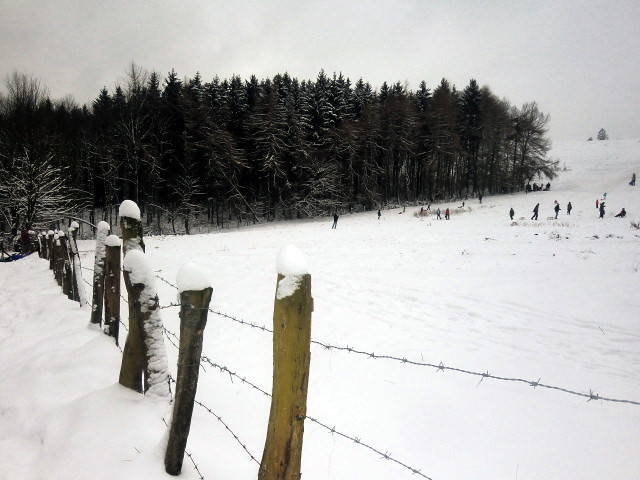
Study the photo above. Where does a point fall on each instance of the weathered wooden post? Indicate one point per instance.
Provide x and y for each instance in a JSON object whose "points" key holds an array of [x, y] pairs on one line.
{"points": [[282, 456], [59, 259], [50, 248], [78, 288], [98, 273], [112, 287], [195, 291], [66, 266], [144, 312]]}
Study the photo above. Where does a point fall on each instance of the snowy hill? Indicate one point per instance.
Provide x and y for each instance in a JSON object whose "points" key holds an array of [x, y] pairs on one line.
{"points": [[552, 300]]}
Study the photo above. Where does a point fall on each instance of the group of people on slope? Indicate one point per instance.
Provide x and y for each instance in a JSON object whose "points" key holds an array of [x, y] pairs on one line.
{"points": [[556, 209]]}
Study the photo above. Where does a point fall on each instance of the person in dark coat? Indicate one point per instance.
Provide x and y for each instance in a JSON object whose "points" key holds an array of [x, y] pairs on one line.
{"points": [[602, 210], [379, 214], [556, 209], [511, 213], [597, 203], [335, 220], [535, 212], [480, 198], [569, 207], [622, 214], [633, 180], [438, 214]]}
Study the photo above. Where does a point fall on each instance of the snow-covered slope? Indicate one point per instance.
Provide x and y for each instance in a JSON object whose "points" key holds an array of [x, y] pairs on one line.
{"points": [[549, 300]]}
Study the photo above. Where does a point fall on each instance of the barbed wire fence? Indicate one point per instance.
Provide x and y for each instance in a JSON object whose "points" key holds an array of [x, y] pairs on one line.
{"points": [[439, 367]]}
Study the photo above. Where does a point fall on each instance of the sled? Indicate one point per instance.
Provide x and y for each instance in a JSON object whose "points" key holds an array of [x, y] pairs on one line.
{"points": [[551, 218]]}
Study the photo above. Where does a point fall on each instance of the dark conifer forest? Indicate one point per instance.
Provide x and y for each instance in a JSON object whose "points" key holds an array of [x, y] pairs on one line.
{"points": [[252, 150]]}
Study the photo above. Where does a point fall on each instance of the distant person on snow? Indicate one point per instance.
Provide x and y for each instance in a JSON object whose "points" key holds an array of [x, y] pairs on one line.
{"points": [[335, 220], [535, 212], [511, 213], [438, 214], [602, 210], [547, 187], [24, 239], [597, 203], [633, 180], [447, 215], [569, 207], [379, 214], [556, 209], [480, 198], [622, 214]]}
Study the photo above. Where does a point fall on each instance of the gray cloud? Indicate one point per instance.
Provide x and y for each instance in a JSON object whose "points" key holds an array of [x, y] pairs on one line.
{"points": [[577, 59]]}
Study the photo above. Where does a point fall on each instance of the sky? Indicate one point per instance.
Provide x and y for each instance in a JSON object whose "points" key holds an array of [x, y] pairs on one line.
{"points": [[577, 59]]}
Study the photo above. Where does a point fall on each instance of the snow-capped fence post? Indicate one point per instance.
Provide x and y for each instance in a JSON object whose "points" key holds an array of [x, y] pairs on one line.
{"points": [[66, 266], [144, 359], [59, 265], [112, 287], [98, 273], [79, 294], [195, 294], [292, 309], [50, 246]]}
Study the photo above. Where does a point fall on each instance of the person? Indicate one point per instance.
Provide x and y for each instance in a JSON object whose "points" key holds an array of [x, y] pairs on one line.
{"points": [[547, 187], [535, 212], [622, 214], [569, 207], [556, 209], [429, 207], [2, 252], [379, 214], [633, 180], [511, 213], [602, 210], [597, 203], [335, 220], [421, 210], [480, 198], [438, 214], [447, 215]]}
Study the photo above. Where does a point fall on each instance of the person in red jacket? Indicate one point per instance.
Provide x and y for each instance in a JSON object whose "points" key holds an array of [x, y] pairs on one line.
{"points": [[447, 214]]}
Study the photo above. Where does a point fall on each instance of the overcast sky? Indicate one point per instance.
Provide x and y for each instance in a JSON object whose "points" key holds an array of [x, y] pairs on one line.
{"points": [[580, 60]]}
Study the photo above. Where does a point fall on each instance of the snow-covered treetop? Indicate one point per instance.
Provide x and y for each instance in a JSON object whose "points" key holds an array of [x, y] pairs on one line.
{"points": [[112, 241], [129, 209], [74, 225], [192, 278], [103, 226], [135, 262], [291, 261]]}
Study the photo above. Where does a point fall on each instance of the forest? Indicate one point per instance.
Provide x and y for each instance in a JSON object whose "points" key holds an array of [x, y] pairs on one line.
{"points": [[251, 150]]}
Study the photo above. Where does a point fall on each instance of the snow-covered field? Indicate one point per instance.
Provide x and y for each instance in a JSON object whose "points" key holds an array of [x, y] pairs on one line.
{"points": [[555, 300]]}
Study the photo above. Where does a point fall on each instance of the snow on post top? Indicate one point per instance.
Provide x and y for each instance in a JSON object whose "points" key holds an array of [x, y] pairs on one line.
{"points": [[112, 241], [75, 225], [291, 261], [61, 234], [50, 232], [191, 278], [103, 226], [135, 262], [129, 209]]}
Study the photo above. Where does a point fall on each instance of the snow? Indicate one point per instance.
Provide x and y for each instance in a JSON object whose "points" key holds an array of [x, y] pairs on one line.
{"points": [[112, 241], [74, 225], [291, 261], [50, 232], [129, 209], [554, 300], [103, 226], [61, 234], [192, 278], [135, 262]]}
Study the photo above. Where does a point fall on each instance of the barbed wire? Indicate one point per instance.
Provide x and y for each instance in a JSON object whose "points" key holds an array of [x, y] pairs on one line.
{"points": [[232, 375], [405, 361], [358, 441], [190, 456]]}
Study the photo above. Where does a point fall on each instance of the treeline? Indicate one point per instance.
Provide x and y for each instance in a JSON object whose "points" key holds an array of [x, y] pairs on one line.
{"points": [[261, 149]]}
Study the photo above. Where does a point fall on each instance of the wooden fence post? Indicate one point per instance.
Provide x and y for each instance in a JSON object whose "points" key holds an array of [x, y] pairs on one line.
{"points": [[133, 358], [50, 248], [98, 273], [282, 456], [74, 259], [195, 295], [59, 259], [67, 287], [112, 287]]}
